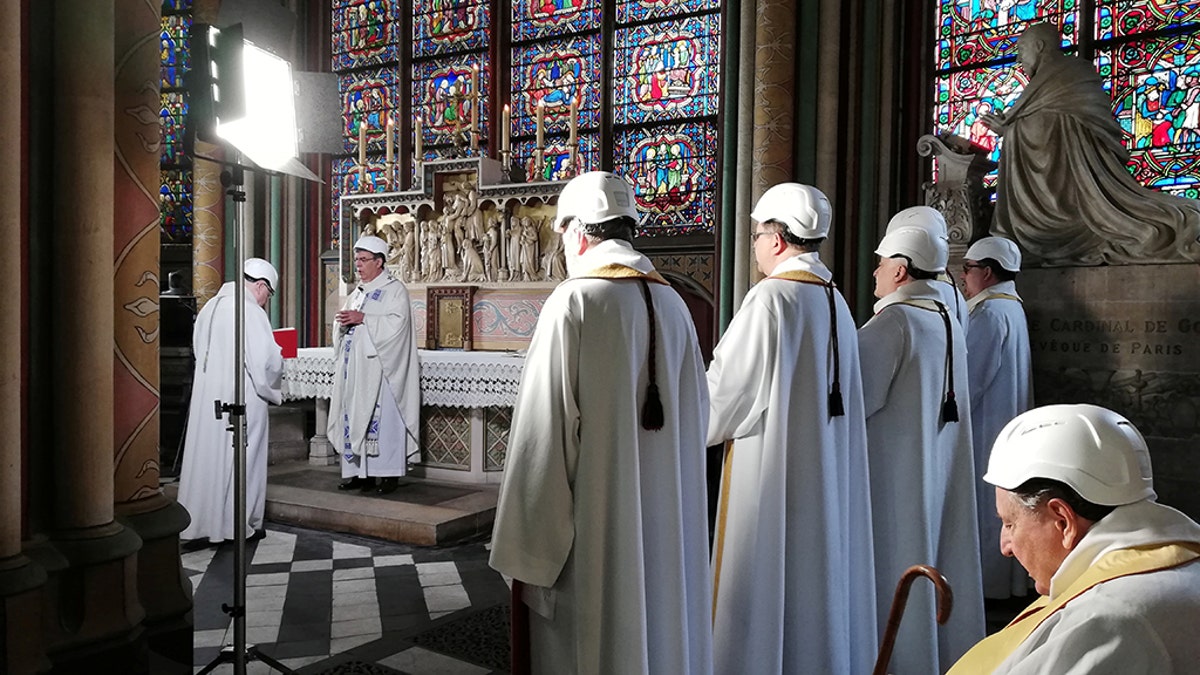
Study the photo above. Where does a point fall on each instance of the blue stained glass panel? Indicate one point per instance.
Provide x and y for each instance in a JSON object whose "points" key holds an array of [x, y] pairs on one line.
{"points": [[1118, 18], [442, 96], [449, 26], [365, 33], [535, 19], [667, 70], [173, 116], [176, 6], [674, 172], [555, 72], [995, 40], [368, 97], [175, 205], [641, 10], [557, 163], [174, 55]]}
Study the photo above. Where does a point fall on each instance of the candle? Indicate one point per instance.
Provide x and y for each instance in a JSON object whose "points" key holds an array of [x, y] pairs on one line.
{"points": [[574, 120], [362, 140], [541, 121], [418, 154], [474, 100], [391, 141], [504, 124]]}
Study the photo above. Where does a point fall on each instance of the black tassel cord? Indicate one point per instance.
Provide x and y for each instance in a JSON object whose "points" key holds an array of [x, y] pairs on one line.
{"points": [[836, 406], [652, 410], [949, 406]]}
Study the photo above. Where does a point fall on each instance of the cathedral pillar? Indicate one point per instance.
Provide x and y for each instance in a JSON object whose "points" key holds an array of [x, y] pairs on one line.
{"points": [[94, 614], [208, 201], [163, 591], [22, 649], [775, 95]]}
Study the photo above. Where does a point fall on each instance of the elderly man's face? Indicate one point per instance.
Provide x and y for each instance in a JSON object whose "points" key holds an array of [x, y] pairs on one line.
{"points": [[367, 264], [975, 278], [888, 275], [1032, 536]]}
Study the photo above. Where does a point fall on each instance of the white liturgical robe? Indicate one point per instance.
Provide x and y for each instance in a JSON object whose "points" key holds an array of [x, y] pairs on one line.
{"points": [[922, 473], [605, 521], [1125, 600], [950, 296], [374, 414], [206, 477], [792, 559], [1001, 388]]}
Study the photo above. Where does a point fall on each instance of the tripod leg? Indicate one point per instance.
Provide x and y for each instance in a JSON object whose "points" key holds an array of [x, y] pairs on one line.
{"points": [[255, 653], [225, 656]]}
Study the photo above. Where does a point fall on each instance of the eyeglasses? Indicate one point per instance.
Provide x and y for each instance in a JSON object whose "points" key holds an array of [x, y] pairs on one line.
{"points": [[364, 259], [967, 267], [755, 235]]}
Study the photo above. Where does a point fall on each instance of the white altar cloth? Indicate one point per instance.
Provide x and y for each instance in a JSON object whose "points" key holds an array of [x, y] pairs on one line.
{"points": [[448, 378]]}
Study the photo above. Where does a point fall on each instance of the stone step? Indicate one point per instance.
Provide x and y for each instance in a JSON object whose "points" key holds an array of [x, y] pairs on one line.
{"points": [[421, 511]]}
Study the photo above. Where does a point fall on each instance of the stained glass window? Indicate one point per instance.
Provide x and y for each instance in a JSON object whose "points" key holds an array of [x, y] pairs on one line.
{"points": [[1145, 50], [364, 33], [175, 194], [634, 82], [674, 171]]}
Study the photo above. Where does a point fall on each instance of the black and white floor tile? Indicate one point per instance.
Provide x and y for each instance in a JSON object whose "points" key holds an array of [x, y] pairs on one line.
{"points": [[315, 597]]}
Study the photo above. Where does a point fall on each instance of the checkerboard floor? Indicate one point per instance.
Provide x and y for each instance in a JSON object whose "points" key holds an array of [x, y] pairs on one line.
{"points": [[314, 598]]}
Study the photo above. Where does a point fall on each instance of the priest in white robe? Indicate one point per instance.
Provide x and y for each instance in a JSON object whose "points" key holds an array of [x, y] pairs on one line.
{"points": [[206, 477], [792, 556], [374, 414], [1001, 380], [948, 292], [919, 441], [602, 512]]}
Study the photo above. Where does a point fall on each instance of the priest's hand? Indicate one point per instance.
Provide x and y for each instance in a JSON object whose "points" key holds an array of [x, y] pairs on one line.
{"points": [[348, 317]]}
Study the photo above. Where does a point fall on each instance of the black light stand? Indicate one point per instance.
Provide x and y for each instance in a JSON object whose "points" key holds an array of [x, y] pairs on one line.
{"points": [[239, 654]]}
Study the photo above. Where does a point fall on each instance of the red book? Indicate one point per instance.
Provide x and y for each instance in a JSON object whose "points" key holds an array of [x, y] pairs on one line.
{"points": [[287, 340]]}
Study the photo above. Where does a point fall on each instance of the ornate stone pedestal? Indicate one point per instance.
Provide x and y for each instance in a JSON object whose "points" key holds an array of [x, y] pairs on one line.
{"points": [[1126, 338]]}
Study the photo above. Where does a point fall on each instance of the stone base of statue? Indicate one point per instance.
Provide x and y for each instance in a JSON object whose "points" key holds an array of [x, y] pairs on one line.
{"points": [[1126, 338]]}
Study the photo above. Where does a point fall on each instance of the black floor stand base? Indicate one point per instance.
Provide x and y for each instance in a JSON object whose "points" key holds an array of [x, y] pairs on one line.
{"points": [[252, 654]]}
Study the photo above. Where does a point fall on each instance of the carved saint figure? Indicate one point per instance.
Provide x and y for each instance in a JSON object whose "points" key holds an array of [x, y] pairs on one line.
{"points": [[1064, 193], [530, 243]]}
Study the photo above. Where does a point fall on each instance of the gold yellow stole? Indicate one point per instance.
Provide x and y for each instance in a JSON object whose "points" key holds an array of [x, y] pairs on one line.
{"points": [[615, 271], [990, 652], [1002, 296], [801, 276]]}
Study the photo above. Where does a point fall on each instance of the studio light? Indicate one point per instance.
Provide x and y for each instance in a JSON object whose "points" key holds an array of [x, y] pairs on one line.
{"points": [[266, 133]]}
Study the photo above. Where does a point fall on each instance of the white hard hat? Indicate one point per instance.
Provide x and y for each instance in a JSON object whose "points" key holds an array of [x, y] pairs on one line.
{"points": [[1002, 250], [926, 250], [594, 197], [925, 217], [802, 209], [1095, 451], [372, 244], [257, 268]]}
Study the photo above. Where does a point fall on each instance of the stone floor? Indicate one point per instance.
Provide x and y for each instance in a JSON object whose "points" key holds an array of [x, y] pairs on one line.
{"points": [[322, 602]]}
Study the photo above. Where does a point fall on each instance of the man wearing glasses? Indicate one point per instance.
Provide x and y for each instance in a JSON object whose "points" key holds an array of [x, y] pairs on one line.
{"points": [[206, 479], [376, 403], [999, 371], [792, 549]]}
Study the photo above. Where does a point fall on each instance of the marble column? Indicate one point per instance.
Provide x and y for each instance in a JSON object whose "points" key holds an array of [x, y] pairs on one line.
{"points": [[163, 590], [97, 618], [22, 648]]}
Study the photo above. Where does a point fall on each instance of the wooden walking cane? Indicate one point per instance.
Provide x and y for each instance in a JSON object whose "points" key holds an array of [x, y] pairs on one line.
{"points": [[945, 602], [518, 631]]}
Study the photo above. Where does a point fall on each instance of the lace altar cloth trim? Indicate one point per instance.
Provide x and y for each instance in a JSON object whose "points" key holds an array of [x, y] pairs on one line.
{"points": [[448, 379]]}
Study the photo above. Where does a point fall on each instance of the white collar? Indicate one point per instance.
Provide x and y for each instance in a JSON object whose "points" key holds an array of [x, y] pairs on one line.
{"points": [[1001, 288], [917, 289], [1142, 523], [612, 252], [804, 262]]}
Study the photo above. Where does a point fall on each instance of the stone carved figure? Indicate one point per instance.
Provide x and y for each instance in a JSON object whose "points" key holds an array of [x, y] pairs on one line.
{"points": [[516, 227], [491, 246], [1064, 193], [554, 260], [530, 244]]}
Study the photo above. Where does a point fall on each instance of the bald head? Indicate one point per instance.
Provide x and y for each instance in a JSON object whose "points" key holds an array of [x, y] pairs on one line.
{"points": [[1037, 43]]}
